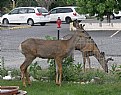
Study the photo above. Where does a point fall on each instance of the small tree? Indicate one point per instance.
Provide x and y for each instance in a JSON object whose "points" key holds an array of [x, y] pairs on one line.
{"points": [[45, 3], [100, 7], [29, 3]]}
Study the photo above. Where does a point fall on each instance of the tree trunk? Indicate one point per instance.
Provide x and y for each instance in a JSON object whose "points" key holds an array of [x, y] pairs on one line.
{"points": [[108, 18], [100, 23]]}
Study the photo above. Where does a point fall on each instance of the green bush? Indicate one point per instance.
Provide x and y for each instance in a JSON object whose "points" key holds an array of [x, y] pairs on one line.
{"points": [[3, 72], [34, 70], [71, 71]]}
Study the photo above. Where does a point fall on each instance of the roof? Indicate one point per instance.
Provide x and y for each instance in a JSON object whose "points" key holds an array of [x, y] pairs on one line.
{"points": [[67, 7], [29, 7]]}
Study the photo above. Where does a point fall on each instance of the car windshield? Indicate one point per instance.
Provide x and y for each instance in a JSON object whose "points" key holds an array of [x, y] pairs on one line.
{"points": [[42, 10], [0, 14]]}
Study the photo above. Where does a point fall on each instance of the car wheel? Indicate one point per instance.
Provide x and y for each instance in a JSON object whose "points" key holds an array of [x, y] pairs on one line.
{"points": [[30, 22], [117, 17], [43, 24], [112, 16], [68, 20], [5, 21]]}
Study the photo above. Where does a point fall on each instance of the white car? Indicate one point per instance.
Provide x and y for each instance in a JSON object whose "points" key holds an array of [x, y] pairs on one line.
{"points": [[29, 15], [66, 14], [117, 16], [0, 16]]}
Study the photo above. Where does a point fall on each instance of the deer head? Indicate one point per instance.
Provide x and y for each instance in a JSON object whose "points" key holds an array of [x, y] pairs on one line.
{"points": [[103, 61], [79, 27]]}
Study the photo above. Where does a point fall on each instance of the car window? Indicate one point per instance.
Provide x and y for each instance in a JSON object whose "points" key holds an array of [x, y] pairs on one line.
{"points": [[30, 10], [1, 14], [15, 11], [53, 11], [42, 10], [64, 10], [22, 11]]}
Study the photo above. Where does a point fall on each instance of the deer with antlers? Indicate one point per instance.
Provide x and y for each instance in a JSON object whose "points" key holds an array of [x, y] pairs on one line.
{"points": [[49, 49], [88, 47]]}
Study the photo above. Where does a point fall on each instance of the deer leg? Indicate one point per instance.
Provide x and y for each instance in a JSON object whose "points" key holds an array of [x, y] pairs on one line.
{"points": [[88, 59], [27, 77], [23, 67], [57, 74], [59, 71], [84, 62]]}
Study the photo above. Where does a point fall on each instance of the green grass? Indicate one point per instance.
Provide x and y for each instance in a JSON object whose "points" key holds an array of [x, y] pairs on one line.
{"points": [[42, 88]]}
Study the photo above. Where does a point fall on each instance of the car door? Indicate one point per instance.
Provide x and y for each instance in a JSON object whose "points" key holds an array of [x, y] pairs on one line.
{"points": [[62, 13], [13, 16], [53, 15], [23, 15]]}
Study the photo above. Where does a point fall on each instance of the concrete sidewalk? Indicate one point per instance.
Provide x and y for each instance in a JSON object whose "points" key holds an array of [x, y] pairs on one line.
{"points": [[103, 26]]}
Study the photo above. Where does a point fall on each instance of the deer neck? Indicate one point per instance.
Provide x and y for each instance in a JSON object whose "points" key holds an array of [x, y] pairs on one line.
{"points": [[98, 57], [102, 61], [73, 40]]}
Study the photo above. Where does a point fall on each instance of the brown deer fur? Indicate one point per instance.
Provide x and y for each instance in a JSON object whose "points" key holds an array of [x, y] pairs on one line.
{"points": [[49, 49], [89, 48]]}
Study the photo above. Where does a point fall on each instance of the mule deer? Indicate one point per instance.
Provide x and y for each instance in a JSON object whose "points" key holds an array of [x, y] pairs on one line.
{"points": [[89, 48], [49, 49]]}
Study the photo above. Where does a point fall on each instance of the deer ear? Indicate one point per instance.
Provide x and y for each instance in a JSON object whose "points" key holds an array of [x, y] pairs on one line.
{"points": [[111, 59], [80, 25], [90, 37], [103, 53], [83, 25]]}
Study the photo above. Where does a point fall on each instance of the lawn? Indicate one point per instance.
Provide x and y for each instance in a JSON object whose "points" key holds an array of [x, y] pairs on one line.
{"points": [[43, 88]]}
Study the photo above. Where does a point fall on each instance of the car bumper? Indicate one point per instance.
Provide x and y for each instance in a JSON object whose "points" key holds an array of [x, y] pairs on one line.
{"points": [[79, 18], [42, 19]]}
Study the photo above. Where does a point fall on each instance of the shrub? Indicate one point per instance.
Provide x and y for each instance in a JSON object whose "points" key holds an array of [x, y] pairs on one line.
{"points": [[71, 71], [34, 69], [3, 72]]}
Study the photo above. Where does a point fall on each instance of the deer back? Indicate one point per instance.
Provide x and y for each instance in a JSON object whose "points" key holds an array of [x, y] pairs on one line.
{"points": [[80, 43]]}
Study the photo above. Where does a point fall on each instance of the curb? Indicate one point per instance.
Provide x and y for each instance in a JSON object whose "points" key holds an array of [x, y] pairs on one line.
{"points": [[103, 26], [13, 27]]}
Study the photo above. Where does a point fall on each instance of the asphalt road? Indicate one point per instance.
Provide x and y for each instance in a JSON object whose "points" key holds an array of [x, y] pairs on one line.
{"points": [[10, 40]]}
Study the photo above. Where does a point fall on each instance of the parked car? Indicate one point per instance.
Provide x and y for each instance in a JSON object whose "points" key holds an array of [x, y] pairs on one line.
{"points": [[66, 14], [29, 15], [117, 16], [0, 16]]}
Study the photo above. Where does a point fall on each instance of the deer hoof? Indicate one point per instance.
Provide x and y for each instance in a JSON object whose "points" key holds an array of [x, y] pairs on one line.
{"points": [[29, 84], [24, 85], [58, 84]]}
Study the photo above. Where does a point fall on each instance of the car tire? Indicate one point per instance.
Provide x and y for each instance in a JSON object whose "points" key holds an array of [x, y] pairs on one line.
{"points": [[68, 20], [5, 21], [42, 24], [30, 22], [112, 16], [117, 17]]}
